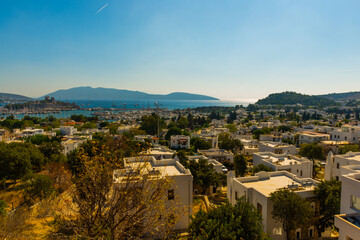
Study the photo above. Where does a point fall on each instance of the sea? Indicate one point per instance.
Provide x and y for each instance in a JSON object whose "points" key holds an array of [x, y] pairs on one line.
{"points": [[89, 106]]}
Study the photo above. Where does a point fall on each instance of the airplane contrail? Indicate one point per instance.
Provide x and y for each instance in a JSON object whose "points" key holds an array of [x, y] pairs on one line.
{"points": [[101, 8]]}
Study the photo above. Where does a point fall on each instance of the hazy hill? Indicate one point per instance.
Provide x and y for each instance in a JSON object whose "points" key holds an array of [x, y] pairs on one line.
{"points": [[342, 96], [14, 97], [84, 93], [292, 98]]}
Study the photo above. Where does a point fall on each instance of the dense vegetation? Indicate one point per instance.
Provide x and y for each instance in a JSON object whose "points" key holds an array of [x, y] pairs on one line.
{"points": [[293, 98], [241, 221]]}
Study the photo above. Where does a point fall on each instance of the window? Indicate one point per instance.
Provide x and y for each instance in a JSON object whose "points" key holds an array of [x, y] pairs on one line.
{"points": [[298, 234], [236, 195], [311, 232], [171, 194], [337, 178], [355, 203], [259, 207], [337, 165], [300, 173]]}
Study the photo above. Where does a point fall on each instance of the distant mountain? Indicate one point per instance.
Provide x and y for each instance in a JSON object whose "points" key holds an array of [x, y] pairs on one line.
{"points": [[342, 96], [292, 98], [89, 93], [13, 97]]}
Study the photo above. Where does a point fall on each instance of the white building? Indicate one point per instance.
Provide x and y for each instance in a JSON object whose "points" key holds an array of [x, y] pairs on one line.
{"points": [[348, 221], [220, 155], [142, 138], [182, 185], [68, 130], [179, 141], [257, 190], [312, 137], [159, 152], [250, 146], [301, 167], [335, 162], [242, 136], [30, 132], [124, 128], [210, 138], [346, 133], [72, 144], [278, 148], [270, 137]]}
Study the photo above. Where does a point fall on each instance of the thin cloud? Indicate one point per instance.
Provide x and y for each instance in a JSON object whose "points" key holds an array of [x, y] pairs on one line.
{"points": [[101, 8]]}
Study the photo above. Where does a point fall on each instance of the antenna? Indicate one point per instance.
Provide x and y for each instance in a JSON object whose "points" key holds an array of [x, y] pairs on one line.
{"points": [[158, 118]]}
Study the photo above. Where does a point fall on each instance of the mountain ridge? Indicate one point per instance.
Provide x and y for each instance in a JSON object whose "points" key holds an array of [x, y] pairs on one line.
{"points": [[345, 96], [100, 93], [16, 97]]}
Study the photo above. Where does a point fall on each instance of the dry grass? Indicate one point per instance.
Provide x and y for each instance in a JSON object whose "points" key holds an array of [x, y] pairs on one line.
{"points": [[198, 204]]}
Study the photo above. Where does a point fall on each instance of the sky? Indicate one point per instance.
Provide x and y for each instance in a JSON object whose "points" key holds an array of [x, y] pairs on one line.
{"points": [[230, 49]]}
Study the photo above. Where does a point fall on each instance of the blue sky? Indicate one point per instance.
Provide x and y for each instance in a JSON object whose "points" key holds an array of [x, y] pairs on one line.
{"points": [[227, 49]]}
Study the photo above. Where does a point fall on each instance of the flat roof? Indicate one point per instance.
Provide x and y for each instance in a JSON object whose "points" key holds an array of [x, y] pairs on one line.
{"points": [[282, 161], [165, 170], [276, 144], [355, 156], [270, 185], [314, 134]]}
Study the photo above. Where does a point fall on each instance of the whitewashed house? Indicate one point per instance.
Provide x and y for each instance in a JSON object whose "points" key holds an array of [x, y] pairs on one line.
{"points": [[335, 162], [182, 185], [180, 141], [278, 148], [348, 221], [301, 167], [257, 190]]}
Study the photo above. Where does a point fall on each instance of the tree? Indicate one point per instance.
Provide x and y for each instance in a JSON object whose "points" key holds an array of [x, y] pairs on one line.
{"points": [[13, 226], [14, 163], [205, 175], [199, 143], [240, 164], [233, 145], [312, 151], [38, 139], [290, 209], [284, 128], [348, 148], [38, 187], [232, 127], [134, 206], [261, 167], [183, 159], [172, 131], [258, 132], [329, 194], [232, 117], [190, 119], [103, 124], [50, 148], [3, 206], [151, 123], [241, 221], [182, 122]]}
